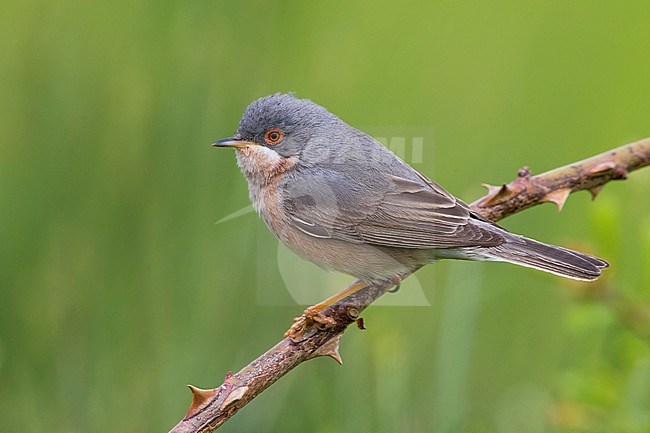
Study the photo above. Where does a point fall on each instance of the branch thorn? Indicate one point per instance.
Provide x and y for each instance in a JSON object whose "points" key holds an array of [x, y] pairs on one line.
{"points": [[330, 348], [595, 191], [495, 193], [558, 197], [200, 397]]}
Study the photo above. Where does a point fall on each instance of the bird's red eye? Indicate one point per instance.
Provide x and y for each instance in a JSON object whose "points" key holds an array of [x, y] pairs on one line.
{"points": [[273, 136]]}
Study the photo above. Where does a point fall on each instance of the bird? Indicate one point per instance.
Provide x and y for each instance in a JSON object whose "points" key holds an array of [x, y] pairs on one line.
{"points": [[337, 197]]}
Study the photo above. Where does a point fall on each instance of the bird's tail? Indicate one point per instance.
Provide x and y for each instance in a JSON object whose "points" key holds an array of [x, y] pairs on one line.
{"points": [[549, 258]]}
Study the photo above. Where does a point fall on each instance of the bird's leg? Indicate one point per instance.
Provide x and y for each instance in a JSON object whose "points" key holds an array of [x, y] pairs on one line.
{"points": [[313, 315]]}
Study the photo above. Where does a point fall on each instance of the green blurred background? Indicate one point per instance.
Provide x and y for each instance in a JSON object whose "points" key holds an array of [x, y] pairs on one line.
{"points": [[118, 288]]}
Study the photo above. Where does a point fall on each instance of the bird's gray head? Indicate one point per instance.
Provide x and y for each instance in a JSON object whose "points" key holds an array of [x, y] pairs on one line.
{"points": [[281, 131], [282, 123], [291, 128]]}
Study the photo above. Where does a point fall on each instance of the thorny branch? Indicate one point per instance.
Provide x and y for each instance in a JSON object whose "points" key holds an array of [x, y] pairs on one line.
{"points": [[211, 408], [555, 186]]}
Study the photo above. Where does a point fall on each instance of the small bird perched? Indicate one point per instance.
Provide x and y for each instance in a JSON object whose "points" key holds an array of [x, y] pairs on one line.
{"points": [[340, 199]]}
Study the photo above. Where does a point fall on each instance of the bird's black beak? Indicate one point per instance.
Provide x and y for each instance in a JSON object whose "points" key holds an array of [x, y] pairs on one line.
{"points": [[236, 142]]}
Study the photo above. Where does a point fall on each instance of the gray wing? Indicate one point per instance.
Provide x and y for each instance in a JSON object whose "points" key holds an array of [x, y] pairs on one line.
{"points": [[385, 210]]}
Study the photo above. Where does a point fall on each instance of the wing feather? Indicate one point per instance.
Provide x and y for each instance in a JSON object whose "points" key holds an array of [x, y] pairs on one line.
{"points": [[400, 212]]}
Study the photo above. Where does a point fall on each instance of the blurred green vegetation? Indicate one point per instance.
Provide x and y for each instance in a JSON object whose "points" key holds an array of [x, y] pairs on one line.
{"points": [[117, 288]]}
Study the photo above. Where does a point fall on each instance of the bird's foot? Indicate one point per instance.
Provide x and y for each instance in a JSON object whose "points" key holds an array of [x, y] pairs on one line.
{"points": [[312, 318]]}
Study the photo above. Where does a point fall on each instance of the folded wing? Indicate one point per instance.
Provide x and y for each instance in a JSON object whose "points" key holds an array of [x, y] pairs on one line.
{"points": [[399, 212]]}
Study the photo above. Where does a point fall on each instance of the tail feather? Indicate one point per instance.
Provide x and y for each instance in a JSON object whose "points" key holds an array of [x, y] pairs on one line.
{"points": [[549, 258]]}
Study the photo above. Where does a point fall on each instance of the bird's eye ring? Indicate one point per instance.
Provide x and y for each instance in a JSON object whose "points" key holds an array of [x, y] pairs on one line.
{"points": [[273, 136]]}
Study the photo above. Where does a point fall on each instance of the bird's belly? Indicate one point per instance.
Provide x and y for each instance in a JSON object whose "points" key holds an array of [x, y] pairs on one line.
{"points": [[360, 260]]}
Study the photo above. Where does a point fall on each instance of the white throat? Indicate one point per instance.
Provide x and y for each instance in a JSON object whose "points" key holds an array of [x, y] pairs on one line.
{"points": [[262, 167]]}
